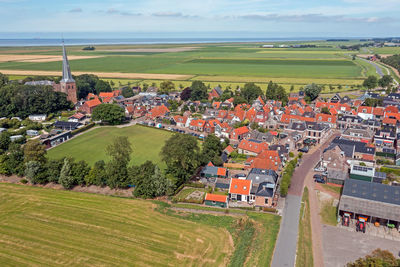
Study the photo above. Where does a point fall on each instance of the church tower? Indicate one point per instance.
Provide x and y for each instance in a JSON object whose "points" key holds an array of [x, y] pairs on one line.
{"points": [[67, 83]]}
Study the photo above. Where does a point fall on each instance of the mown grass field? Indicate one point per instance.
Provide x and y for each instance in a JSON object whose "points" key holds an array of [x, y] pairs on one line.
{"points": [[304, 243], [91, 146], [233, 64], [49, 227]]}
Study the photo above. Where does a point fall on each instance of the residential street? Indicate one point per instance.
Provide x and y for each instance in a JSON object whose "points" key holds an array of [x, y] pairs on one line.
{"points": [[286, 246]]}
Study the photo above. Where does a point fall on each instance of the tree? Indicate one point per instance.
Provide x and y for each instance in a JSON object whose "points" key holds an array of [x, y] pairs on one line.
{"points": [[377, 258], [212, 147], [199, 91], [85, 84], [102, 86], [186, 94], [34, 151], [149, 181], [109, 113], [270, 92], [371, 82], [292, 88], [250, 92], [3, 79], [127, 92], [23, 100], [66, 179], [239, 100], [277, 92], [180, 153], [53, 168], [385, 81], [4, 141], [325, 110], [14, 161], [32, 169], [373, 102], [226, 94], [312, 91], [166, 87], [97, 174], [79, 170], [117, 169]]}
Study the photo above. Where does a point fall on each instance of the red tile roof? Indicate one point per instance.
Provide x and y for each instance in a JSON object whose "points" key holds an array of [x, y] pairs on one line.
{"points": [[197, 123], [391, 109], [180, 119], [321, 117], [93, 103], [267, 159], [286, 118], [216, 198], [241, 187], [229, 149], [254, 147], [240, 131], [393, 116], [389, 121], [106, 94], [158, 111], [221, 172]]}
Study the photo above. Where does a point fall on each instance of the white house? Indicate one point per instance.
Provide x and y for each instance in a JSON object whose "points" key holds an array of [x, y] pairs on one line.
{"points": [[37, 117]]}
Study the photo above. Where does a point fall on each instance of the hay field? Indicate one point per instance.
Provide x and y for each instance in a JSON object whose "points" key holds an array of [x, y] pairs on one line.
{"points": [[39, 58], [46, 227]]}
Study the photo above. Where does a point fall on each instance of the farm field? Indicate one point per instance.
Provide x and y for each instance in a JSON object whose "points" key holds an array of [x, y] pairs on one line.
{"points": [[233, 64], [49, 227], [91, 146], [80, 229]]}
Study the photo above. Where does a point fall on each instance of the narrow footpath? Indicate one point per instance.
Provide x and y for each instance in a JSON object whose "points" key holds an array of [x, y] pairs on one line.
{"points": [[286, 245]]}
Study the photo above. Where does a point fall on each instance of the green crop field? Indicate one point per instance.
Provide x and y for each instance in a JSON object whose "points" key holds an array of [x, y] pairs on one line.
{"points": [[47, 227], [91, 146], [233, 64]]}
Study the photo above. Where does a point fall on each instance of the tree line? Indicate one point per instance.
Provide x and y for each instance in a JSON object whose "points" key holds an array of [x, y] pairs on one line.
{"points": [[181, 153], [17, 100]]}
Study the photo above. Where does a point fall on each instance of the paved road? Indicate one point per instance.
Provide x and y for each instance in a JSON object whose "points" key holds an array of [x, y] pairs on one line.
{"points": [[286, 245], [377, 67]]}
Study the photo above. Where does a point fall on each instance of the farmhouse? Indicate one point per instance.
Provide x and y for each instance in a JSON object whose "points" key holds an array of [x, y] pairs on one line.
{"points": [[239, 190], [379, 202]]}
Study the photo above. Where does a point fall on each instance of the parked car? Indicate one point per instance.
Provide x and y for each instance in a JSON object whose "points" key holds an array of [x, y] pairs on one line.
{"points": [[303, 149], [240, 175], [319, 179]]}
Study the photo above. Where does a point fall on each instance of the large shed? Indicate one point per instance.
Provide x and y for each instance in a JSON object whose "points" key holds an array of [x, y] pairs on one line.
{"points": [[378, 201]]}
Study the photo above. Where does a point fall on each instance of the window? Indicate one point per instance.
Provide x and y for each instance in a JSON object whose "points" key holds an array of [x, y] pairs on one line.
{"points": [[266, 201]]}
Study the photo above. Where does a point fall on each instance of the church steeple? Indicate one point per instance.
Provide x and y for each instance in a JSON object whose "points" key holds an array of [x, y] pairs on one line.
{"points": [[66, 71]]}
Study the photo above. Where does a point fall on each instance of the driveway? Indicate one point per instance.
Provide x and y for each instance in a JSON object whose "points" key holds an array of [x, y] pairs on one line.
{"points": [[342, 246], [286, 245]]}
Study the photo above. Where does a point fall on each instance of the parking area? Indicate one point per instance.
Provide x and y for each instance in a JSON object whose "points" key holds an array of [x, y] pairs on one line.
{"points": [[341, 246]]}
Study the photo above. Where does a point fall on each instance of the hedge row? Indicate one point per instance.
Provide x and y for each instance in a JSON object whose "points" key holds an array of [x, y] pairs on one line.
{"points": [[287, 177], [84, 128]]}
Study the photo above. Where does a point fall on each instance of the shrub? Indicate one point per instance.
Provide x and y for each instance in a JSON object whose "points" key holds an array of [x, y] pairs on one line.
{"points": [[291, 154], [82, 129], [266, 209], [24, 181]]}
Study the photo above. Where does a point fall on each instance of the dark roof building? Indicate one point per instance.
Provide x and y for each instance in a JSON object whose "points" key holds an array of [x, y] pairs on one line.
{"points": [[66, 125], [371, 199], [258, 176]]}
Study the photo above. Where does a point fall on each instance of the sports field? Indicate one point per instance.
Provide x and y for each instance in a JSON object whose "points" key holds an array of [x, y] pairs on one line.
{"points": [[91, 146], [214, 63]]}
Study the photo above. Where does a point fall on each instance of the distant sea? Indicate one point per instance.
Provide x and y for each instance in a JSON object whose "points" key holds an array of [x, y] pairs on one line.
{"points": [[117, 41]]}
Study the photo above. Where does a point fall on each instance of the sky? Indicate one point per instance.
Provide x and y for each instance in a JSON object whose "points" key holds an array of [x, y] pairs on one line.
{"points": [[177, 18]]}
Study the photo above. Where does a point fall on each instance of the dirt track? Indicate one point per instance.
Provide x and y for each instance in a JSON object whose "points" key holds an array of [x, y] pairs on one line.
{"points": [[146, 76], [154, 50], [39, 58]]}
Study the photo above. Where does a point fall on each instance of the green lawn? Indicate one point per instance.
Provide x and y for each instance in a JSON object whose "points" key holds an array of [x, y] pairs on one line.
{"points": [[146, 143], [328, 213], [304, 242], [46, 227]]}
